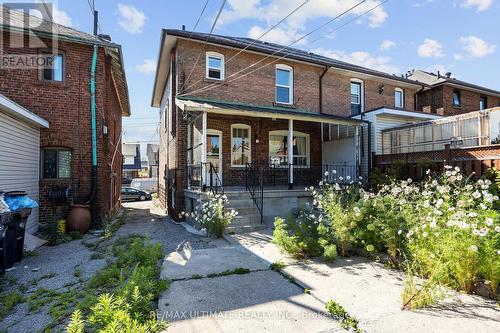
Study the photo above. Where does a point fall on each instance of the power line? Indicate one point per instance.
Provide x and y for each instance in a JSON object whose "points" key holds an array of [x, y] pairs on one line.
{"points": [[205, 44], [262, 35], [199, 18], [289, 52]]}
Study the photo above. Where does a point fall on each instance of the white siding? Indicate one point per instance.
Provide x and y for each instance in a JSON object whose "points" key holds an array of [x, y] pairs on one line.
{"points": [[19, 160]]}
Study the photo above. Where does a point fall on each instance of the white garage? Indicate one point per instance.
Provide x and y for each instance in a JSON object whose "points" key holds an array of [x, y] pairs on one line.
{"points": [[20, 152]]}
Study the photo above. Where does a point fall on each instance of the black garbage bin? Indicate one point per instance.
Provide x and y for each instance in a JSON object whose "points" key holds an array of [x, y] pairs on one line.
{"points": [[5, 219], [16, 231]]}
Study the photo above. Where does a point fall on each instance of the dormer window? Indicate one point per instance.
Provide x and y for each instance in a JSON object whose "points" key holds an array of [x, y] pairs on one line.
{"points": [[215, 66], [284, 84]]}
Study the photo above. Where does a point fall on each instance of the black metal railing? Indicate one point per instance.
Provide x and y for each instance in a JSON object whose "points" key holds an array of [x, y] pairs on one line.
{"points": [[254, 185], [194, 175], [215, 183]]}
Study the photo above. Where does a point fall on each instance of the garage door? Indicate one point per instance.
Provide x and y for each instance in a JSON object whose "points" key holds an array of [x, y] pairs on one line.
{"points": [[19, 160]]}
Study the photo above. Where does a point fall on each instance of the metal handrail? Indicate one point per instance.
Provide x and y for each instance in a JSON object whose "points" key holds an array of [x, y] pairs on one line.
{"points": [[213, 172], [255, 186]]}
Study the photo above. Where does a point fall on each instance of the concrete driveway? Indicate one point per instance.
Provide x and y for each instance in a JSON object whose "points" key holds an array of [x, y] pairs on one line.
{"points": [[229, 289]]}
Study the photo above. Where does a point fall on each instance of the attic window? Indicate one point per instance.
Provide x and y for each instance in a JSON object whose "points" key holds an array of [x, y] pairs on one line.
{"points": [[215, 66]]}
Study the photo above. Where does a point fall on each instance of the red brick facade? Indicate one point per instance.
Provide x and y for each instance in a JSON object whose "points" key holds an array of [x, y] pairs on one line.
{"points": [[66, 106], [439, 100], [256, 88]]}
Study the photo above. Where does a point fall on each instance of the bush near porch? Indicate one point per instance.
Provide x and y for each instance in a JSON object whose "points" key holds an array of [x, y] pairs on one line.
{"points": [[444, 229]]}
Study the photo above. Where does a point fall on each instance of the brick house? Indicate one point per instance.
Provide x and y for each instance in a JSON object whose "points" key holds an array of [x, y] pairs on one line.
{"points": [[61, 96], [448, 96], [231, 106]]}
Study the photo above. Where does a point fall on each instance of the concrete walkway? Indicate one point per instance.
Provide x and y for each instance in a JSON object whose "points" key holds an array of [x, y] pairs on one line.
{"points": [[372, 293], [207, 295]]}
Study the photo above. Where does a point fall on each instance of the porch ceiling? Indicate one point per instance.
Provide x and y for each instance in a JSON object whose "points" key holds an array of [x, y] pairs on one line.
{"points": [[191, 104]]}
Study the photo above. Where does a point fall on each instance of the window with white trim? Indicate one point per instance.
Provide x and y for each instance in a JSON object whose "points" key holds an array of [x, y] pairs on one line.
{"points": [[241, 145], [278, 148], [215, 66], [399, 97], [284, 84], [356, 97]]}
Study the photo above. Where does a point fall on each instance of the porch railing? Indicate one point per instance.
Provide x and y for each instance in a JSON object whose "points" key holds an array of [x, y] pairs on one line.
{"points": [[254, 185], [195, 177]]}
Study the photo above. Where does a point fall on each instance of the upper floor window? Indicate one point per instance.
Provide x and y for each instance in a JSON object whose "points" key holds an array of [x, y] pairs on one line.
{"points": [[241, 145], [483, 103], [56, 163], [457, 98], [284, 84], [55, 69], [399, 97], [215, 66], [356, 97]]}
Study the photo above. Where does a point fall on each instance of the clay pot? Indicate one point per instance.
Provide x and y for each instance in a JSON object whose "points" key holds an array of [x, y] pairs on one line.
{"points": [[79, 218]]}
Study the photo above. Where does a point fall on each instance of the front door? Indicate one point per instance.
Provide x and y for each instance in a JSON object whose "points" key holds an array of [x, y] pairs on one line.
{"points": [[214, 157]]}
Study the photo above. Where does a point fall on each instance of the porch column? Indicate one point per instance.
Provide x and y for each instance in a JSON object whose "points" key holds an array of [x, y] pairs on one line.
{"points": [[203, 157], [356, 152], [289, 152]]}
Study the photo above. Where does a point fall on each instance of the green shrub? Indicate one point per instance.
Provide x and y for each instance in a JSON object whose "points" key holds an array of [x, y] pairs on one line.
{"points": [[330, 252], [346, 320]]}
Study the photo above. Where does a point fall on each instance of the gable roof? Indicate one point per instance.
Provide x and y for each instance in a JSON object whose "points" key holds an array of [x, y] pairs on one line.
{"points": [[262, 47], [435, 80], [48, 29]]}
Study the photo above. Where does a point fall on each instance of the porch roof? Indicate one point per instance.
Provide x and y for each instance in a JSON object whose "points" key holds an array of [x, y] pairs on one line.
{"points": [[230, 108]]}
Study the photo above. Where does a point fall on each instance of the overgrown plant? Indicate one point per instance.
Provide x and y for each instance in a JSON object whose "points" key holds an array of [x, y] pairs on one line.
{"points": [[213, 215]]}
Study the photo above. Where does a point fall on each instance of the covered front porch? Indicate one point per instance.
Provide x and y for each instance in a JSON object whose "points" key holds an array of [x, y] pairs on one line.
{"points": [[242, 146]]}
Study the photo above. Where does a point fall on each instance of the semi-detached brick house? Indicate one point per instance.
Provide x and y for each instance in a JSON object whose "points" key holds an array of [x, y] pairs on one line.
{"points": [[61, 96], [231, 106]]}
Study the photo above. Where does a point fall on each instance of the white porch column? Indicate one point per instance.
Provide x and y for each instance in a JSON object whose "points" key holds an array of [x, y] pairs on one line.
{"points": [[290, 153], [203, 157]]}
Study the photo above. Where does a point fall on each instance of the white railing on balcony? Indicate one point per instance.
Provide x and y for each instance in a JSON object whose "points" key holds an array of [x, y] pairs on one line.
{"points": [[461, 131]]}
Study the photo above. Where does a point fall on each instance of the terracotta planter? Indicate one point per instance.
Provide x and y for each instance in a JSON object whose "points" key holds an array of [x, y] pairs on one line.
{"points": [[79, 218]]}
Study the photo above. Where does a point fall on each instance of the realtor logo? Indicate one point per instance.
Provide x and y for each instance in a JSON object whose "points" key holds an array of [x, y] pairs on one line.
{"points": [[27, 36]]}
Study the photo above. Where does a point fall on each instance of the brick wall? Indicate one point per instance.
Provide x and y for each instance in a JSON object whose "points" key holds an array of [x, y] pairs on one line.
{"points": [[66, 106], [440, 100], [259, 87]]}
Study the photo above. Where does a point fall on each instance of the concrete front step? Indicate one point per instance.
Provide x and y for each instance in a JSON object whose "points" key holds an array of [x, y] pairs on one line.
{"points": [[245, 228], [243, 211]]}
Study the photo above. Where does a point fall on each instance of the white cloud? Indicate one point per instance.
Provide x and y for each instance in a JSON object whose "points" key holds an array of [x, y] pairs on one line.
{"points": [[132, 19], [361, 58], [476, 47], [480, 4], [458, 56], [387, 45], [59, 16], [430, 48], [271, 11], [277, 35], [147, 67]]}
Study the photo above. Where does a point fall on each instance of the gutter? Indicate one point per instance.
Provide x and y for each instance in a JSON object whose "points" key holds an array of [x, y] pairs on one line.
{"points": [[415, 97], [321, 89]]}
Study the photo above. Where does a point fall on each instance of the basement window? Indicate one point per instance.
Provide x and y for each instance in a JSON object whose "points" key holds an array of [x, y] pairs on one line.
{"points": [[215, 66], [56, 163]]}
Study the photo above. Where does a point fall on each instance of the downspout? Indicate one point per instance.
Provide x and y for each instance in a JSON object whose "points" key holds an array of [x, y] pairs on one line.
{"points": [[321, 89], [415, 97], [93, 192]]}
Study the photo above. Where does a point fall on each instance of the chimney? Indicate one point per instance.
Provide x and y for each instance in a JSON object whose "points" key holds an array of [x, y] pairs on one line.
{"points": [[439, 75], [183, 27]]}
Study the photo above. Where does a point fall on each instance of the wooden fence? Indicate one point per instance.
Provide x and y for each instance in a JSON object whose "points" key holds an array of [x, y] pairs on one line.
{"points": [[471, 161]]}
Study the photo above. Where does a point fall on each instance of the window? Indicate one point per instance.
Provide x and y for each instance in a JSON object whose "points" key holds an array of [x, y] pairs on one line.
{"points": [[457, 98], [278, 148], [399, 97], [215, 66], [213, 145], [483, 103], [356, 97], [55, 72], [56, 163], [240, 145], [284, 84]]}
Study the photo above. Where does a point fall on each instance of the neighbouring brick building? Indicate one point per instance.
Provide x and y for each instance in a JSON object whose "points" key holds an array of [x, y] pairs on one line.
{"points": [[231, 106], [61, 96], [448, 96]]}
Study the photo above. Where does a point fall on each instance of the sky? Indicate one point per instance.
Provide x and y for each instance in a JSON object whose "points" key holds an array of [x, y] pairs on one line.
{"points": [[459, 36]]}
